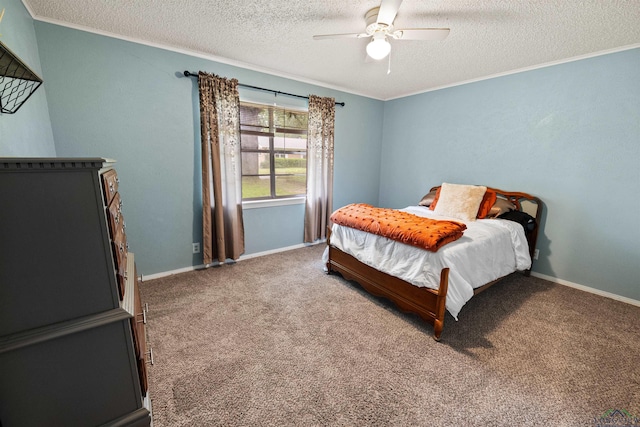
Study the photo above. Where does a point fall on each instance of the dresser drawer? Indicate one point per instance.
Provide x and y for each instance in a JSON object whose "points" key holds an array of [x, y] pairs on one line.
{"points": [[120, 251], [138, 322], [138, 327], [122, 284], [110, 185], [144, 355], [116, 220], [118, 240], [142, 372]]}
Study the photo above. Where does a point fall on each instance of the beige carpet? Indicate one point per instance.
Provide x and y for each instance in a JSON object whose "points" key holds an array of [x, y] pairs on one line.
{"points": [[274, 341]]}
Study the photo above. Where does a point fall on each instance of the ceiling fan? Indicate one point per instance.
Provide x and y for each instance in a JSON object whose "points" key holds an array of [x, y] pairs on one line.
{"points": [[380, 28]]}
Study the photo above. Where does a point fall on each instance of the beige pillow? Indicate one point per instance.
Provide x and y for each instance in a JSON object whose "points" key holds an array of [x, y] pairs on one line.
{"points": [[460, 201]]}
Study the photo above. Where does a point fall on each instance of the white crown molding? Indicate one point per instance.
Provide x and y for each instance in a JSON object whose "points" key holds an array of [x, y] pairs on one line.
{"points": [[26, 6], [587, 289], [197, 54], [523, 70], [276, 73]]}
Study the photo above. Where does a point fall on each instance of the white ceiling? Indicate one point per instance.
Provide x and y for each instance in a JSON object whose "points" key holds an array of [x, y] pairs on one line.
{"points": [[488, 37]]}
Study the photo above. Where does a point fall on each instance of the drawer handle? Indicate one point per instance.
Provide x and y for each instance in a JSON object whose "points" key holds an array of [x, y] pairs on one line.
{"points": [[145, 308], [144, 317], [150, 353]]}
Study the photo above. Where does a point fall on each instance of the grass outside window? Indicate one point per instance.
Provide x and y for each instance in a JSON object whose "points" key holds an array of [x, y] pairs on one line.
{"points": [[274, 152]]}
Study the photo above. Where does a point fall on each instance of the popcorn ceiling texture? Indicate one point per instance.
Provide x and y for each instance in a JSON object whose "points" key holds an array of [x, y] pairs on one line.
{"points": [[487, 37]]}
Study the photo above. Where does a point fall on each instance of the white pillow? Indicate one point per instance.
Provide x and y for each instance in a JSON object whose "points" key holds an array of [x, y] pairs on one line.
{"points": [[459, 201]]}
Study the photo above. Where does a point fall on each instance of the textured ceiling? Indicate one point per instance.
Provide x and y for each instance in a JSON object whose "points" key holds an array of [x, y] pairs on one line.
{"points": [[487, 37]]}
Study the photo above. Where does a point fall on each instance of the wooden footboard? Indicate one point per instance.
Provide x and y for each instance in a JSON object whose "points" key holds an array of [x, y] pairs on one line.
{"points": [[427, 303]]}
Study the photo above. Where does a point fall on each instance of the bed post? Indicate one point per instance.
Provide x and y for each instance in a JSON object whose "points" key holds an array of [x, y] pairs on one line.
{"points": [[438, 322]]}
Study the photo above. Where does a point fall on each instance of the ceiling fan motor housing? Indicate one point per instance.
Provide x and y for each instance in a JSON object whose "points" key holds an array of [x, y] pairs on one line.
{"points": [[373, 26]]}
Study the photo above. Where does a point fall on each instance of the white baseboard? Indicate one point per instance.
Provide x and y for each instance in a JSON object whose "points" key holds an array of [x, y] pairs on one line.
{"points": [[242, 258], [587, 289], [275, 251], [170, 273], [303, 245]]}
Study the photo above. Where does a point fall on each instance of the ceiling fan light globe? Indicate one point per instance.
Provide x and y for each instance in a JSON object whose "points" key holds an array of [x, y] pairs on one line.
{"points": [[378, 48]]}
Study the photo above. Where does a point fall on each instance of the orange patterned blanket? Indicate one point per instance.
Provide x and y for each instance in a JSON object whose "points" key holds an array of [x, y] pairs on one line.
{"points": [[426, 233]]}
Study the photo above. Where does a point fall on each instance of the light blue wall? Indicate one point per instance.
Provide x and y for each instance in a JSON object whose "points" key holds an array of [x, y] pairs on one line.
{"points": [[569, 134], [129, 102], [27, 132]]}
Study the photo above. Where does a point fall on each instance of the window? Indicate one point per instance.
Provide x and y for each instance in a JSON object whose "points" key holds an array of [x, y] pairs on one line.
{"points": [[273, 142]]}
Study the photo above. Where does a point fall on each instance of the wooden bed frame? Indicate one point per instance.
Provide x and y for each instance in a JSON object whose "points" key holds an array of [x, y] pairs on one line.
{"points": [[427, 303]]}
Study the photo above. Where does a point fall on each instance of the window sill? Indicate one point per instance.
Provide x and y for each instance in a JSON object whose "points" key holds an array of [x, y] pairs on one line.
{"points": [[257, 204]]}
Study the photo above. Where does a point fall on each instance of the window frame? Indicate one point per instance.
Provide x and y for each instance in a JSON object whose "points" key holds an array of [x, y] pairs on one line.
{"points": [[273, 199]]}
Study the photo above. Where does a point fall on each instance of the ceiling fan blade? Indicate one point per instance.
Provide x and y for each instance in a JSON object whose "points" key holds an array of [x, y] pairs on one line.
{"points": [[340, 36], [421, 34], [388, 11]]}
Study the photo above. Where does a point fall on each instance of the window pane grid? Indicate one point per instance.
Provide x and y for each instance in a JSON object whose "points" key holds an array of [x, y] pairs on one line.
{"points": [[274, 151]]}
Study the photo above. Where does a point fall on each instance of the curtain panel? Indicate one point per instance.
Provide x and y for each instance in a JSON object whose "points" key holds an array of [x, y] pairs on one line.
{"points": [[222, 225], [319, 203]]}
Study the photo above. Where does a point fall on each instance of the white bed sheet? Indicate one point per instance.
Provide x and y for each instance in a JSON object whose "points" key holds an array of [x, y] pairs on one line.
{"points": [[488, 250]]}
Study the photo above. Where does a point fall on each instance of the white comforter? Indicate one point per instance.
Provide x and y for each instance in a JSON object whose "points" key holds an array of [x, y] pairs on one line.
{"points": [[488, 250]]}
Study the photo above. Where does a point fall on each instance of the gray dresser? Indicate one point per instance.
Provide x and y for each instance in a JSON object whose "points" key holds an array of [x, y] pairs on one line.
{"points": [[72, 335]]}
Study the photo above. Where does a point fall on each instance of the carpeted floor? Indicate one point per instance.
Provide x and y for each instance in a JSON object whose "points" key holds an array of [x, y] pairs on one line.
{"points": [[274, 341]]}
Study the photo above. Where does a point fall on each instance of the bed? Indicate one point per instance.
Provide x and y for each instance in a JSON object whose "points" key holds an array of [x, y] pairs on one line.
{"points": [[429, 282]]}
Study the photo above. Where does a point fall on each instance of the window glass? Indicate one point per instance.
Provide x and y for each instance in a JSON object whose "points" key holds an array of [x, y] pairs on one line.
{"points": [[274, 151]]}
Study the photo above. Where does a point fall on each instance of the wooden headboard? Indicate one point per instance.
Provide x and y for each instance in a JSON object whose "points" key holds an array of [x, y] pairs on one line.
{"points": [[526, 203]]}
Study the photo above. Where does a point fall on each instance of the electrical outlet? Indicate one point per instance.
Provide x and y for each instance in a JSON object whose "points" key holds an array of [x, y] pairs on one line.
{"points": [[196, 248], [536, 253]]}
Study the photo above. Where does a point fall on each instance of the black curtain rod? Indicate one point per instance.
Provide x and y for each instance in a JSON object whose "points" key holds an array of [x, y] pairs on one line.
{"points": [[277, 92]]}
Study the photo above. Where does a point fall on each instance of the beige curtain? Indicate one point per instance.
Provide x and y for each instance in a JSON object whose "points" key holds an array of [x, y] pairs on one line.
{"points": [[319, 203], [222, 226]]}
